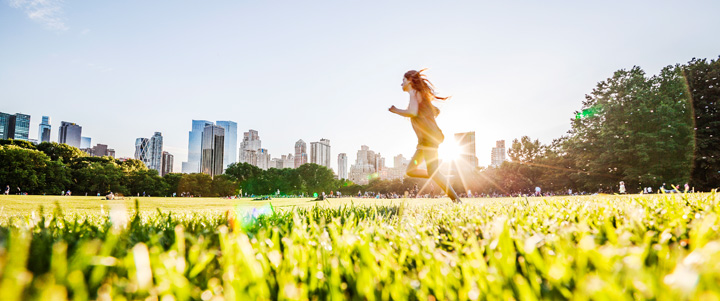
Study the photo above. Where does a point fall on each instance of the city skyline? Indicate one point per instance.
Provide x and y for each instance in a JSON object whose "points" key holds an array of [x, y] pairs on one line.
{"points": [[266, 67], [150, 150]]}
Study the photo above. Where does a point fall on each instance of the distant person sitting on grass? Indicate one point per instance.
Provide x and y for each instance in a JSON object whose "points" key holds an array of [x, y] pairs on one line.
{"points": [[7, 190]]}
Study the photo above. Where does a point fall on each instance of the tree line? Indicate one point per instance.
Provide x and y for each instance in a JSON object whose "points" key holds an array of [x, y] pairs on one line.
{"points": [[647, 131], [51, 168]]}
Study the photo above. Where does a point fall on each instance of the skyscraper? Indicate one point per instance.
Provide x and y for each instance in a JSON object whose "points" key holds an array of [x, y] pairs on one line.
{"points": [[100, 150], [142, 150], [498, 154], [194, 146], [342, 166], [231, 146], [320, 152], [149, 151], [22, 127], [301, 156], [213, 146], [263, 159], [399, 161], [249, 147], [14, 126], [5, 125], [85, 142], [400, 165], [70, 133], [288, 161], [155, 150], [466, 142], [366, 166], [167, 164], [44, 130]]}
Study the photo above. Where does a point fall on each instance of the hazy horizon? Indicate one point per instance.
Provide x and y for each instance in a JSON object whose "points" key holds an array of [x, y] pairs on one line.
{"points": [[329, 70]]}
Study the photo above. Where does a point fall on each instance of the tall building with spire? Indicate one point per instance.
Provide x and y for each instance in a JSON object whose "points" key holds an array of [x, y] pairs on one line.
{"points": [[301, 156], [44, 130]]}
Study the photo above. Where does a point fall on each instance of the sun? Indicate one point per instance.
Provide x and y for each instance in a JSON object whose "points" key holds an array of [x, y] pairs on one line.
{"points": [[449, 151]]}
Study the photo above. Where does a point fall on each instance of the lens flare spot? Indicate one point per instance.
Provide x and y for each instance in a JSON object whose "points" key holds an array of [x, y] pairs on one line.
{"points": [[449, 151]]}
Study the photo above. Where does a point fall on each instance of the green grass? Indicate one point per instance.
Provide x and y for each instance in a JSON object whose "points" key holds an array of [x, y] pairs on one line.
{"points": [[661, 247], [16, 205]]}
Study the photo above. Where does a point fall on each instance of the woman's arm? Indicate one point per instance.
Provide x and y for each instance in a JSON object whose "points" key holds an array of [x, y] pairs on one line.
{"points": [[411, 110]]}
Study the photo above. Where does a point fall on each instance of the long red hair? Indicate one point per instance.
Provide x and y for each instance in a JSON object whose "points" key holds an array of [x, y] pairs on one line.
{"points": [[422, 85]]}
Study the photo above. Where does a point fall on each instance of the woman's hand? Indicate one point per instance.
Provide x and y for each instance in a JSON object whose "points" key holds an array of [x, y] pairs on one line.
{"points": [[393, 109]]}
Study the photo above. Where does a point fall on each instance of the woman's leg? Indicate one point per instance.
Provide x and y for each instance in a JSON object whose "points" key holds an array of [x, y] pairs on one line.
{"points": [[412, 170], [431, 160]]}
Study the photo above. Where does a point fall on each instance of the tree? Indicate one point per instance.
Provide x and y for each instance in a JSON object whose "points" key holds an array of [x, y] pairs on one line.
{"points": [[131, 165], [60, 151], [525, 150], [224, 185], [558, 168], [20, 143], [172, 180], [523, 172], [703, 80], [98, 176], [196, 184], [242, 171], [634, 129], [145, 182], [316, 178], [26, 169]]}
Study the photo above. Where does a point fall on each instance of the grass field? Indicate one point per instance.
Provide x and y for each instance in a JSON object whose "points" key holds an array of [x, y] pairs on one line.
{"points": [[16, 205], [655, 247]]}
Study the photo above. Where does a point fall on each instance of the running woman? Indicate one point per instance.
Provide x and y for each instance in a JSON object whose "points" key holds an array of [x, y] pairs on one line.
{"points": [[422, 115]]}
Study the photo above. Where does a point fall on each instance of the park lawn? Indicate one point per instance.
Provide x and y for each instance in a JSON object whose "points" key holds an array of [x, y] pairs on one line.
{"points": [[607, 247], [25, 205]]}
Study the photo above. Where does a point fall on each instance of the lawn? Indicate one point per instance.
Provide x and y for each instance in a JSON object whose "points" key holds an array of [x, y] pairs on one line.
{"points": [[630, 247], [17, 205]]}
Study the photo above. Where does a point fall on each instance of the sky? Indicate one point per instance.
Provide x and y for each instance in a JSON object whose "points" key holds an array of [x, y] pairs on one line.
{"points": [[330, 69]]}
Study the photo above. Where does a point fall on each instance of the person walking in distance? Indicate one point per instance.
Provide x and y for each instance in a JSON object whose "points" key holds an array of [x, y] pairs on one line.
{"points": [[422, 115]]}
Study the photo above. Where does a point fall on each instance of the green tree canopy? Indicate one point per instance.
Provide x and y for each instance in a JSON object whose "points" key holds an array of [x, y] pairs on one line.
{"points": [[60, 151], [703, 80]]}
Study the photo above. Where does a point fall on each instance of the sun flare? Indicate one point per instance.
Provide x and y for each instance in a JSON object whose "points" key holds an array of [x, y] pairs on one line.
{"points": [[449, 151]]}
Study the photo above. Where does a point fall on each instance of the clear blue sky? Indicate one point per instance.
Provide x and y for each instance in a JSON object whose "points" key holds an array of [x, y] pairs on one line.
{"points": [[330, 69]]}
